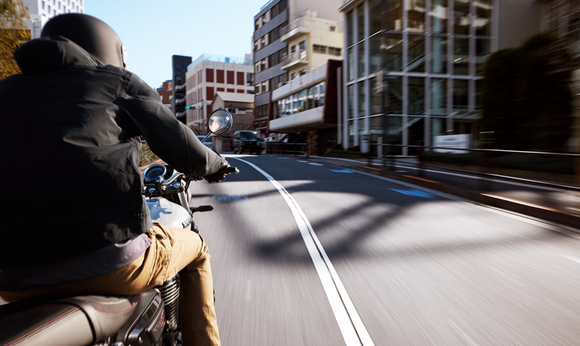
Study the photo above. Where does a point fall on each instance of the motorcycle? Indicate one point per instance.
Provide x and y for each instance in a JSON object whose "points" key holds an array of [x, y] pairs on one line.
{"points": [[150, 318]]}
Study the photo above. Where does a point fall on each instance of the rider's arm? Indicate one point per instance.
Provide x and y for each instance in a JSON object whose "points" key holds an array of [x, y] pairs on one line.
{"points": [[167, 137]]}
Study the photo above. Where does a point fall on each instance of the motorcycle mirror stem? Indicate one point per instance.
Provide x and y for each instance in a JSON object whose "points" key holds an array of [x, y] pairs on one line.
{"points": [[219, 122]]}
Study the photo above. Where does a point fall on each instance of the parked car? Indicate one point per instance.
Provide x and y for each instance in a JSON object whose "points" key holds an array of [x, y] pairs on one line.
{"points": [[208, 143], [246, 141]]}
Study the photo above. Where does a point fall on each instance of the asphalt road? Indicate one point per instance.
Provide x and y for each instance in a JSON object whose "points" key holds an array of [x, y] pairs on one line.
{"points": [[306, 253], [319, 255]]}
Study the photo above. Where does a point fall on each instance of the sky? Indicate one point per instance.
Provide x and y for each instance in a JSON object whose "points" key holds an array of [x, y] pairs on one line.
{"points": [[154, 30]]}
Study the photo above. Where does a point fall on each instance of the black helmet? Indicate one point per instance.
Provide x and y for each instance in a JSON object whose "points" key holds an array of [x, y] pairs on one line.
{"points": [[92, 34]]}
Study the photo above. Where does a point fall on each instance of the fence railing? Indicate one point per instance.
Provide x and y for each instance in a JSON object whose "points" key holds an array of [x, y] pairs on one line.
{"points": [[386, 154], [283, 148]]}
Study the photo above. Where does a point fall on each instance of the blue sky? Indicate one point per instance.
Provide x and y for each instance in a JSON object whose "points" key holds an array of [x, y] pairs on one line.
{"points": [[154, 30]]}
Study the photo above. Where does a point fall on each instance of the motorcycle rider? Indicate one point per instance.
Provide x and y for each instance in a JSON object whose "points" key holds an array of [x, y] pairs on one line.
{"points": [[72, 123]]}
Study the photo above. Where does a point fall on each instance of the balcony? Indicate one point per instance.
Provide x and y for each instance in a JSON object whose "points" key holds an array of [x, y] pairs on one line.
{"points": [[180, 87], [296, 59], [305, 24], [310, 119]]}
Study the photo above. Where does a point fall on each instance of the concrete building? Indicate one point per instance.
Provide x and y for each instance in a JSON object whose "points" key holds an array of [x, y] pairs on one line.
{"points": [[269, 49], [209, 75], [41, 11], [311, 41], [179, 64], [413, 68], [309, 105], [166, 93]]}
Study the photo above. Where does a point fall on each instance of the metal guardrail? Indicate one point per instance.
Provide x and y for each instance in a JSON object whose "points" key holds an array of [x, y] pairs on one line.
{"points": [[283, 148], [386, 154]]}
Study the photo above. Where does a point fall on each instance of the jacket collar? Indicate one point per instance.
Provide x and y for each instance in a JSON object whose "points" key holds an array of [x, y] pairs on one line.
{"points": [[49, 54]]}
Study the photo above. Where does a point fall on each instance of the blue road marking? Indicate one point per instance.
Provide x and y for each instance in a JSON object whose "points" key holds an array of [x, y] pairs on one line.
{"points": [[282, 158], [415, 192], [341, 170]]}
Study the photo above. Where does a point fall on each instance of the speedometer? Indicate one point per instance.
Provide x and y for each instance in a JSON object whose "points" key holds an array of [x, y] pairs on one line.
{"points": [[154, 171]]}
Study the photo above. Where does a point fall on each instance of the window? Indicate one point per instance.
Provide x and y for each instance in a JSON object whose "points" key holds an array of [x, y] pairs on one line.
{"points": [[334, 51], [219, 76], [209, 75], [43, 5], [361, 21], [292, 49], [416, 15], [416, 53], [350, 28], [395, 15], [319, 49], [302, 45], [439, 15], [376, 16]]}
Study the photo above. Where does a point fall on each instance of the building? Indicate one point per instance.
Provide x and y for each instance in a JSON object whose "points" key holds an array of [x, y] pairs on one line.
{"points": [[179, 64], [166, 93], [304, 104], [270, 50], [209, 75], [413, 68], [241, 107], [309, 105], [311, 41], [564, 17], [41, 11]]}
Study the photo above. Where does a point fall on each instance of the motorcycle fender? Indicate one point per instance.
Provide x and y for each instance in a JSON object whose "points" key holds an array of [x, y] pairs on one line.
{"points": [[168, 213]]}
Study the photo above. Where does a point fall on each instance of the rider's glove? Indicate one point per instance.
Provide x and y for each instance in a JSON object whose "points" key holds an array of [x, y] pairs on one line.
{"points": [[219, 175]]}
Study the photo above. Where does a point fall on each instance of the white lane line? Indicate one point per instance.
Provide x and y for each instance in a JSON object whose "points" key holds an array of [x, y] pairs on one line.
{"points": [[351, 326], [315, 164], [572, 258]]}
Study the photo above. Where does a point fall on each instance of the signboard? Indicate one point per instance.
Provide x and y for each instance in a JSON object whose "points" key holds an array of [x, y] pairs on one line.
{"points": [[452, 141]]}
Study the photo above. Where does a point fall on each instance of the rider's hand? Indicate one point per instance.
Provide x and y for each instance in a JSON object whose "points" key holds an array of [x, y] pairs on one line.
{"points": [[219, 175]]}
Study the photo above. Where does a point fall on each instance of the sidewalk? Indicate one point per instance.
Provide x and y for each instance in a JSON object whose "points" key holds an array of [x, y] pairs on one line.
{"points": [[553, 204]]}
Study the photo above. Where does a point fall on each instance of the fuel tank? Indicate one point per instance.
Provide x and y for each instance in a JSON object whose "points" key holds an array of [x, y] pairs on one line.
{"points": [[168, 213]]}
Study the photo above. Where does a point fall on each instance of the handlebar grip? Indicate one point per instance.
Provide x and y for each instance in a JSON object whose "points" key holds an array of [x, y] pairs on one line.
{"points": [[233, 170]]}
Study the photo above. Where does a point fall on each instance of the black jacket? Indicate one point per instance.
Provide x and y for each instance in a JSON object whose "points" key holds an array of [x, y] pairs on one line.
{"points": [[70, 147]]}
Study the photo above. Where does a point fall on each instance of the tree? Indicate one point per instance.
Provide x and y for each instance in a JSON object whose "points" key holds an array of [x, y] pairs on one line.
{"points": [[13, 33], [527, 101]]}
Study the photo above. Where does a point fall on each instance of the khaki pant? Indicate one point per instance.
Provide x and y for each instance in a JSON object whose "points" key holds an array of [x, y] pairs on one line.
{"points": [[172, 251]]}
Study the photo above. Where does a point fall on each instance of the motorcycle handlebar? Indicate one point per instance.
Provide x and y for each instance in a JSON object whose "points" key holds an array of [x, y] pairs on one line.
{"points": [[233, 170]]}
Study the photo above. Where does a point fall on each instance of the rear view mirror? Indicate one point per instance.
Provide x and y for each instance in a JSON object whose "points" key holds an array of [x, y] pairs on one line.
{"points": [[220, 122]]}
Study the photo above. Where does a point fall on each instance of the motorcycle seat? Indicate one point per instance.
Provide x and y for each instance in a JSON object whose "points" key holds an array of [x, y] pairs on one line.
{"points": [[81, 320]]}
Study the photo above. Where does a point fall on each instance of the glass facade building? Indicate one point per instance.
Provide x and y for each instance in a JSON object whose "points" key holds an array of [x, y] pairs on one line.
{"points": [[413, 69]]}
